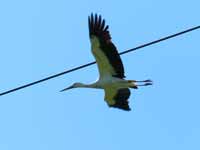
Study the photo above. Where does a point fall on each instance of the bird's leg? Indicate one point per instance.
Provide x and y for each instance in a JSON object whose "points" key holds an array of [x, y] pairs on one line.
{"points": [[147, 81], [135, 85], [145, 84]]}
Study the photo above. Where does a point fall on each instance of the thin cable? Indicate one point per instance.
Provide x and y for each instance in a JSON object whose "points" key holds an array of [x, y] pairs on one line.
{"points": [[91, 63], [160, 40]]}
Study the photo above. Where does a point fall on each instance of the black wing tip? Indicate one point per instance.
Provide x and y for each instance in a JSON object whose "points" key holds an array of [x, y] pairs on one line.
{"points": [[128, 109], [97, 25], [122, 107], [121, 99], [94, 15]]}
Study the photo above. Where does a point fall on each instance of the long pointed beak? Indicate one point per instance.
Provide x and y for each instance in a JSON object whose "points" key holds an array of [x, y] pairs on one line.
{"points": [[68, 88]]}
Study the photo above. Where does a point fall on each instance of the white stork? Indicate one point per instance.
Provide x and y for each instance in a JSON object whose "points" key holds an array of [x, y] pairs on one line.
{"points": [[110, 67]]}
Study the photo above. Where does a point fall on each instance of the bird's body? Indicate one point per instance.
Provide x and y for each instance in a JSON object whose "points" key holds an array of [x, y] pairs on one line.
{"points": [[111, 69], [108, 82]]}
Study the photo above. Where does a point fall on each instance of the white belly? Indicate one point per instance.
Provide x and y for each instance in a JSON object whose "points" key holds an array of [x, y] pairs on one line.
{"points": [[112, 82]]}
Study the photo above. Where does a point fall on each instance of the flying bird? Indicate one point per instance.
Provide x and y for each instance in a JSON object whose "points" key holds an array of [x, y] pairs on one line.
{"points": [[111, 70]]}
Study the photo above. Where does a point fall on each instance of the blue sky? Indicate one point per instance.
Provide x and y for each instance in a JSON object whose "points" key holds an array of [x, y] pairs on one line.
{"points": [[41, 38]]}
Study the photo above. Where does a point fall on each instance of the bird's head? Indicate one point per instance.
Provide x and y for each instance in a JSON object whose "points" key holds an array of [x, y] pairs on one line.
{"points": [[75, 85]]}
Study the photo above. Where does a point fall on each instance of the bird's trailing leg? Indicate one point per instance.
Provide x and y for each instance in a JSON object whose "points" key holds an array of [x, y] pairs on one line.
{"points": [[144, 83]]}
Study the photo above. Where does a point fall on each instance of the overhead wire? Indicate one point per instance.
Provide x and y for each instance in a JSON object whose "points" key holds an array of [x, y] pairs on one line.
{"points": [[91, 63]]}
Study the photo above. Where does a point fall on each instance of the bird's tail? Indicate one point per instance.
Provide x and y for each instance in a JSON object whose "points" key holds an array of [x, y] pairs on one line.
{"points": [[132, 84]]}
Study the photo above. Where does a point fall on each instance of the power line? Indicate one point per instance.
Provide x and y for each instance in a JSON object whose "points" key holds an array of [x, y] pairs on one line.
{"points": [[160, 40], [91, 63]]}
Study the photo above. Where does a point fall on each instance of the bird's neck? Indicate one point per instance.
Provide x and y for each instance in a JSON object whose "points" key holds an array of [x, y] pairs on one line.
{"points": [[93, 85]]}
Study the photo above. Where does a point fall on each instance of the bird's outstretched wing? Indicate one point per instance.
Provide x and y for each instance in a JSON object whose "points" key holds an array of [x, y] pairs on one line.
{"points": [[118, 98], [104, 51]]}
